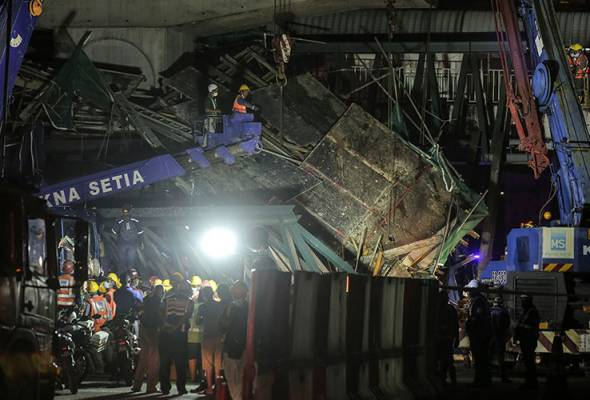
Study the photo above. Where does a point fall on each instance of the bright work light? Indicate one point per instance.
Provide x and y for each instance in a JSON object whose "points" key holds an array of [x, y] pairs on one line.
{"points": [[219, 243]]}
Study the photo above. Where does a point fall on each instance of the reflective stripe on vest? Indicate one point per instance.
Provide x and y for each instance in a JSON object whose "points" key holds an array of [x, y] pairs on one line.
{"points": [[65, 294], [239, 108], [101, 307], [176, 306]]}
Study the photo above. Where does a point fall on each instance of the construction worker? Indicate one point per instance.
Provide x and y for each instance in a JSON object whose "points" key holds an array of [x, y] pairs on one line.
{"points": [[97, 305], [211, 110], [177, 310], [526, 334], [241, 105], [148, 365], [128, 232], [478, 327], [500, 324], [108, 288], [211, 347], [578, 63], [65, 294], [234, 326], [195, 337], [447, 339], [127, 296], [114, 278]]}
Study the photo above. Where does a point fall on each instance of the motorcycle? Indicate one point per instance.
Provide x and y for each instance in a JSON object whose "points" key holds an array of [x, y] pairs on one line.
{"points": [[70, 349], [124, 347]]}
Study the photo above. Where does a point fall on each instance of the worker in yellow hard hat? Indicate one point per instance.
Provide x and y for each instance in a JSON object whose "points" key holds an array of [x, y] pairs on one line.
{"points": [[579, 66], [241, 105], [116, 281], [213, 285], [96, 306], [196, 281]]}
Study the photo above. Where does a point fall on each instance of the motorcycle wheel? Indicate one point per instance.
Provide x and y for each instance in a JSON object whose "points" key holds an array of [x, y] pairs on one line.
{"points": [[82, 366]]}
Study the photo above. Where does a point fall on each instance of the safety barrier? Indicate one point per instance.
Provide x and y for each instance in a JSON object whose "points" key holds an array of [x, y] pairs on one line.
{"points": [[336, 336]]}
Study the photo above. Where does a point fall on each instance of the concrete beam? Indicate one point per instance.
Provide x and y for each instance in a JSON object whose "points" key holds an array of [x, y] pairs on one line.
{"points": [[201, 18]]}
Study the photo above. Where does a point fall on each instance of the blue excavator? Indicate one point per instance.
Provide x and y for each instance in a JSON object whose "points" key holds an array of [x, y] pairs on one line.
{"points": [[552, 263]]}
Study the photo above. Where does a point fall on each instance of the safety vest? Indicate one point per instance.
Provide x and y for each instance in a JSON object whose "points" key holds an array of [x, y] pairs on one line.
{"points": [[65, 294], [239, 108], [99, 305], [110, 298], [580, 69], [175, 308], [195, 332]]}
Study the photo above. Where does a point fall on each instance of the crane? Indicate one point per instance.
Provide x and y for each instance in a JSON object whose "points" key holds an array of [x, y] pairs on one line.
{"points": [[553, 262]]}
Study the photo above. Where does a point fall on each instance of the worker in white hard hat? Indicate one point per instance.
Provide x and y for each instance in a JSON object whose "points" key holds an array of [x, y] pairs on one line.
{"points": [[211, 110], [479, 329]]}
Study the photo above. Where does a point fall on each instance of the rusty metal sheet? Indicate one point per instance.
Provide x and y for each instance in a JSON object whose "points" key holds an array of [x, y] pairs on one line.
{"points": [[365, 170], [309, 109]]}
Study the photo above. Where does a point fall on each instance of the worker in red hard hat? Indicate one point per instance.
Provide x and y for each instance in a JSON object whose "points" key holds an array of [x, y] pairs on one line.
{"points": [[65, 294]]}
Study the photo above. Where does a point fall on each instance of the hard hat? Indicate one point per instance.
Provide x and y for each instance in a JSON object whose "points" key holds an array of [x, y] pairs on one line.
{"points": [[126, 208], [156, 282], [212, 87], [153, 279], [68, 267], [92, 287], [213, 285], [113, 277], [547, 215], [473, 284], [176, 278], [102, 288], [244, 88], [166, 284], [132, 274], [576, 47], [196, 281]]}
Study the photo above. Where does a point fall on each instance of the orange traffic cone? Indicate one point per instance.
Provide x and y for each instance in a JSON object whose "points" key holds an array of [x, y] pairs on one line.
{"points": [[221, 390]]}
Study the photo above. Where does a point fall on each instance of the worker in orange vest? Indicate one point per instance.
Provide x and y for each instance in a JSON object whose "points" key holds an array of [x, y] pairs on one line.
{"points": [[241, 105], [65, 294], [107, 289], [97, 305], [578, 61]]}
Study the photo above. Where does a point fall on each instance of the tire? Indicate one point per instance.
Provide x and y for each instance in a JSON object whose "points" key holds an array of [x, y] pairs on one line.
{"points": [[82, 366]]}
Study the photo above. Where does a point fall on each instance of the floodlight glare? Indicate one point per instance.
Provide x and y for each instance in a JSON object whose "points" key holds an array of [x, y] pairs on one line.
{"points": [[219, 243]]}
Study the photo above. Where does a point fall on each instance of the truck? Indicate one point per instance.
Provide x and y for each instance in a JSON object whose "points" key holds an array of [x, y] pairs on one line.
{"points": [[29, 267], [552, 263]]}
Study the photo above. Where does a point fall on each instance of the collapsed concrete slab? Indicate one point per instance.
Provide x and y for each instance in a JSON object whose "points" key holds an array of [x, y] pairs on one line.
{"points": [[377, 187]]}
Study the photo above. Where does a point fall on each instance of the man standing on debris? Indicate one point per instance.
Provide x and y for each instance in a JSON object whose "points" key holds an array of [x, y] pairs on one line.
{"points": [[211, 109], [478, 326], [128, 232], [241, 105], [526, 334], [500, 326]]}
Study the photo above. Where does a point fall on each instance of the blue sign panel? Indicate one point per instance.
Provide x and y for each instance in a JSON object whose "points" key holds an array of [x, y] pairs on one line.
{"points": [[104, 183], [23, 24]]}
